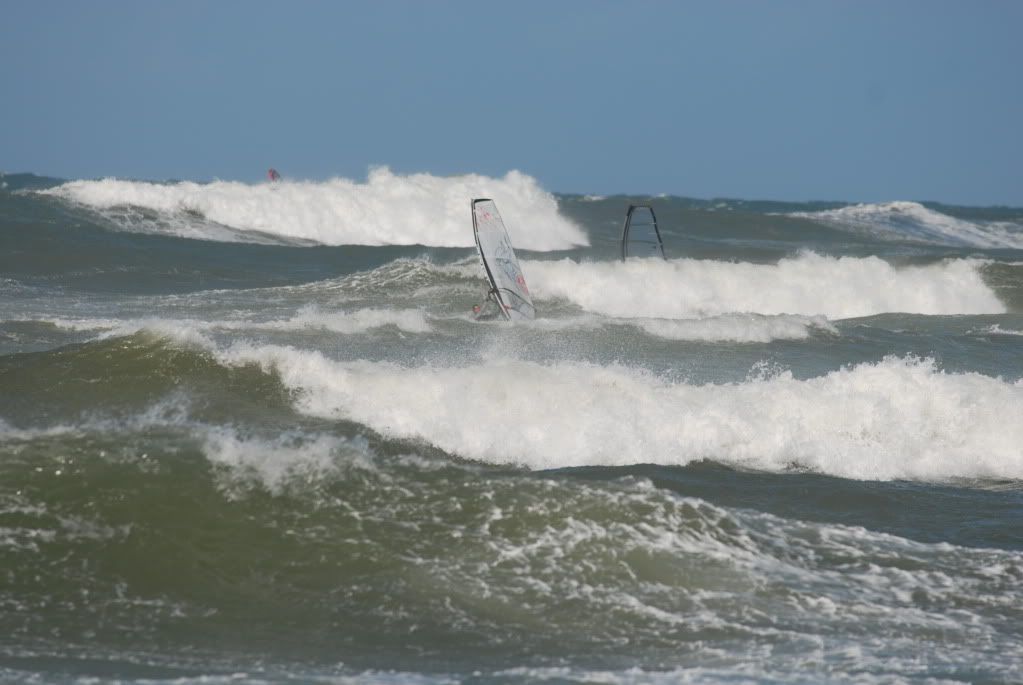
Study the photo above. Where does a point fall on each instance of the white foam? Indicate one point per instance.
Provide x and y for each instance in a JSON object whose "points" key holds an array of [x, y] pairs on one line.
{"points": [[169, 412], [995, 329], [894, 419], [283, 459], [805, 671], [275, 461], [387, 209], [737, 328], [902, 220], [743, 328], [834, 578], [809, 284], [307, 317], [357, 321]]}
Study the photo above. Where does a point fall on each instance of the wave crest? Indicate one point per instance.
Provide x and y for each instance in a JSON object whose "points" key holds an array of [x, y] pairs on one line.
{"points": [[913, 221], [388, 209], [809, 285], [898, 418]]}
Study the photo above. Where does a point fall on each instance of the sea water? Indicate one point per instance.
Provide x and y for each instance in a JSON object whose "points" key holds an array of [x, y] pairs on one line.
{"points": [[252, 434]]}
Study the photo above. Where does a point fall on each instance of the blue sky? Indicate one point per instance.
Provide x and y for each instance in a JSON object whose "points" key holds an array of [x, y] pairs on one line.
{"points": [[860, 101]]}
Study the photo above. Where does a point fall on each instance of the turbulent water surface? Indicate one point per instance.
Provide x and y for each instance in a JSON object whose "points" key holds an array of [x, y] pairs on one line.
{"points": [[251, 433]]}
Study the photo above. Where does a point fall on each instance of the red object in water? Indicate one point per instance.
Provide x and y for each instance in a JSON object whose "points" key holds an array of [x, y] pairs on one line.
{"points": [[273, 175]]}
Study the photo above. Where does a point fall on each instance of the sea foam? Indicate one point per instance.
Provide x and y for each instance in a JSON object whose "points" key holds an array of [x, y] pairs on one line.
{"points": [[913, 221], [279, 461], [809, 284], [744, 328], [897, 418], [351, 322], [388, 209]]}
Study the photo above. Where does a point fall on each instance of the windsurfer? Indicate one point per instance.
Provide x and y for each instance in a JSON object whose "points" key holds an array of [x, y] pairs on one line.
{"points": [[489, 310]]}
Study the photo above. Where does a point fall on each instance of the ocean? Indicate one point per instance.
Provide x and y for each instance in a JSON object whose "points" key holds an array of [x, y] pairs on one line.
{"points": [[251, 433]]}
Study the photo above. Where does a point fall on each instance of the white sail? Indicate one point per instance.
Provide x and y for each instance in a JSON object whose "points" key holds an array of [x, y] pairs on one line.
{"points": [[499, 261]]}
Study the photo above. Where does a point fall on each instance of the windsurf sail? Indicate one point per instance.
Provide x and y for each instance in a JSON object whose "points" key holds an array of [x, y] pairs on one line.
{"points": [[499, 262], [273, 175], [640, 237]]}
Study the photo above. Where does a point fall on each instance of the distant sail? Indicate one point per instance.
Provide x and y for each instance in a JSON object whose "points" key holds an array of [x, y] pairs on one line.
{"points": [[273, 175], [640, 236], [499, 261]]}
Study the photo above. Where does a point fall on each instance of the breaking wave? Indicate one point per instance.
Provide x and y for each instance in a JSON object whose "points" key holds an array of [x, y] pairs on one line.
{"points": [[913, 221], [745, 328], [308, 317], [388, 209], [898, 418], [808, 285]]}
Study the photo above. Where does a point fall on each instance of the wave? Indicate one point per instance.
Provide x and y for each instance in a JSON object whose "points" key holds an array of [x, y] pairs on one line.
{"points": [[307, 317], [648, 568], [808, 285], [278, 462], [913, 221], [995, 329], [685, 299], [898, 418], [737, 328], [743, 328], [388, 209]]}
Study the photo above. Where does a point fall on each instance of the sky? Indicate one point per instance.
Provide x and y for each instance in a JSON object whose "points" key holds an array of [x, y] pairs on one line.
{"points": [[863, 100]]}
